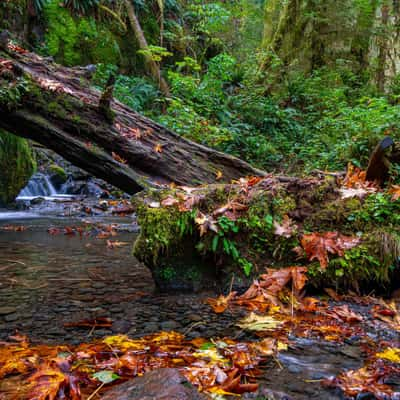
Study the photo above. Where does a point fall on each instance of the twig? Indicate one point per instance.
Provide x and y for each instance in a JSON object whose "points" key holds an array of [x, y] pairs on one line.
{"points": [[96, 391], [192, 326]]}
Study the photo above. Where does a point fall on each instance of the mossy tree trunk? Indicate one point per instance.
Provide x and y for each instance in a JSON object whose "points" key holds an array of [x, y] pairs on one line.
{"points": [[309, 34], [17, 165], [154, 68]]}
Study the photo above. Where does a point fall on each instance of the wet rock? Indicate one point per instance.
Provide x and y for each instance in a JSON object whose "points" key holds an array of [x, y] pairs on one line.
{"points": [[7, 310], [11, 317], [37, 200], [365, 396], [169, 325], [195, 317], [162, 384], [151, 327], [266, 394], [121, 326]]}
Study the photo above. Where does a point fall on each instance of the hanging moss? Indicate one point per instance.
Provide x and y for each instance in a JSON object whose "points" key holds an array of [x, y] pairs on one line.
{"points": [[16, 164]]}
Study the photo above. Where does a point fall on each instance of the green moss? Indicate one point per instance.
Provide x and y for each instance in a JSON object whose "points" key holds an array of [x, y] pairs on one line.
{"points": [[59, 171], [17, 166], [370, 266], [55, 109], [162, 230]]}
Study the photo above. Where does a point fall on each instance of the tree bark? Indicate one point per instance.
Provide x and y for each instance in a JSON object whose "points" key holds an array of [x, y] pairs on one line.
{"points": [[56, 107], [152, 65]]}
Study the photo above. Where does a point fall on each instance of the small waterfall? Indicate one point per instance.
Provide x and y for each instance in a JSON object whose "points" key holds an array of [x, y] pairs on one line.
{"points": [[38, 186]]}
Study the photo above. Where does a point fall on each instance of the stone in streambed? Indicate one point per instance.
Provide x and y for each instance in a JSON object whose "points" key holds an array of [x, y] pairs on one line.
{"points": [[7, 310], [162, 384]]}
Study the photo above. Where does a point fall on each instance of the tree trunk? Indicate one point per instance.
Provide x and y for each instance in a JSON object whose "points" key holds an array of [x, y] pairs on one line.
{"points": [[55, 106], [153, 66]]}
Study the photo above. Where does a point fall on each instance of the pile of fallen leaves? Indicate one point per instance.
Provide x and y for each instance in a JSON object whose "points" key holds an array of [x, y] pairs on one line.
{"points": [[63, 372], [279, 310]]}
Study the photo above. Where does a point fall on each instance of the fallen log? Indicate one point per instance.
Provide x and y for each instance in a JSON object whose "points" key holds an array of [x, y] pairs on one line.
{"points": [[56, 107], [347, 235]]}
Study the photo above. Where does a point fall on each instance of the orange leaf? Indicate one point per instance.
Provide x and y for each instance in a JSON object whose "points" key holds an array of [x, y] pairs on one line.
{"points": [[318, 245], [158, 148], [220, 304], [395, 192], [118, 158], [218, 175]]}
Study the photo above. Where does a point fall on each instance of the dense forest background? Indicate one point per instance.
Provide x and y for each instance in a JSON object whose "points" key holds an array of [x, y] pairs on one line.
{"points": [[288, 85]]}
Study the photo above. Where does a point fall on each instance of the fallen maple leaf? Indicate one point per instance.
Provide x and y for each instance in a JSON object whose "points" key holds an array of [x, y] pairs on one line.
{"points": [[220, 304], [52, 379], [318, 245], [206, 223], [395, 192], [286, 229]]}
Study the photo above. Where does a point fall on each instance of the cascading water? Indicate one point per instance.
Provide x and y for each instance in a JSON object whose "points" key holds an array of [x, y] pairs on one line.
{"points": [[40, 186]]}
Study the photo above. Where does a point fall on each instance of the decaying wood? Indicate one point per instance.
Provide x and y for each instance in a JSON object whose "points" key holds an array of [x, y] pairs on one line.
{"points": [[60, 111]]}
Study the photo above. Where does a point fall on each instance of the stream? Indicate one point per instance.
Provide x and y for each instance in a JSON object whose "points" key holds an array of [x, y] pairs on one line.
{"points": [[52, 279]]}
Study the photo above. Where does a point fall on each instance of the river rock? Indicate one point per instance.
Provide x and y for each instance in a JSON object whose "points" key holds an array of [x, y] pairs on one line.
{"points": [[7, 310], [162, 384]]}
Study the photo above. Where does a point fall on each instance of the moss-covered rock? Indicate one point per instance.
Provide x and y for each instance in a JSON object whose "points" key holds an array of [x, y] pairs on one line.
{"points": [[16, 164], [228, 234]]}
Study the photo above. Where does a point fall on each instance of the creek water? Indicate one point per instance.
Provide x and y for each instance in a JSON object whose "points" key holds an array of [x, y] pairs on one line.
{"points": [[51, 280]]}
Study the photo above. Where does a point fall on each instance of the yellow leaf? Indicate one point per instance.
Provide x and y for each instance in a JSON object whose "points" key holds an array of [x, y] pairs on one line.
{"points": [[391, 354], [158, 148], [218, 175]]}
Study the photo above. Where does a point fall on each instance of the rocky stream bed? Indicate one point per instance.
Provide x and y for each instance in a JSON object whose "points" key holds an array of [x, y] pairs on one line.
{"points": [[50, 279]]}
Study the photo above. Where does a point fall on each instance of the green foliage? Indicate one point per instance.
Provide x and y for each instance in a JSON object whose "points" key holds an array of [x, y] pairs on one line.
{"points": [[378, 209], [39, 4], [81, 6], [77, 40], [155, 53], [138, 93]]}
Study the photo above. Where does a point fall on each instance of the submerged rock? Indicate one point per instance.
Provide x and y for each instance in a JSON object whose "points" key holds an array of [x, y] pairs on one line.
{"points": [[162, 384]]}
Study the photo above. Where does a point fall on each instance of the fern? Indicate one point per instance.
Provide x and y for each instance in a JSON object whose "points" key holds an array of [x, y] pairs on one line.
{"points": [[39, 4], [81, 6]]}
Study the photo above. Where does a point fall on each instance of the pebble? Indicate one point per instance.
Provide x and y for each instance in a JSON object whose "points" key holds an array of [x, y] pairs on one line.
{"points": [[11, 317], [169, 325]]}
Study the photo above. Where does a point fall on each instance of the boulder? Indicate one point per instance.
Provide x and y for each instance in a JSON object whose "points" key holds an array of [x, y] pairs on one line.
{"points": [[161, 384]]}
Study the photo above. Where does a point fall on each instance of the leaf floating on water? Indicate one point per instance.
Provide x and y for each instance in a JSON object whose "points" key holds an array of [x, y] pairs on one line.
{"points": [[115, 244]]}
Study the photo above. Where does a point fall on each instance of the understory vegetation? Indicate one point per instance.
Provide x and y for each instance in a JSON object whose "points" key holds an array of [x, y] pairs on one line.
{"points": [[229, 86]]}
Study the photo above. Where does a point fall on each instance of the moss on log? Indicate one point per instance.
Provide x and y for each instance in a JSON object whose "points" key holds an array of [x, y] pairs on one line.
{"points": [[229, 233]]}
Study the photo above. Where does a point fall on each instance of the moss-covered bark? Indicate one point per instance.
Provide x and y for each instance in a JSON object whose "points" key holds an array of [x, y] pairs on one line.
{"points": [[16, 165], [231, 233]]}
